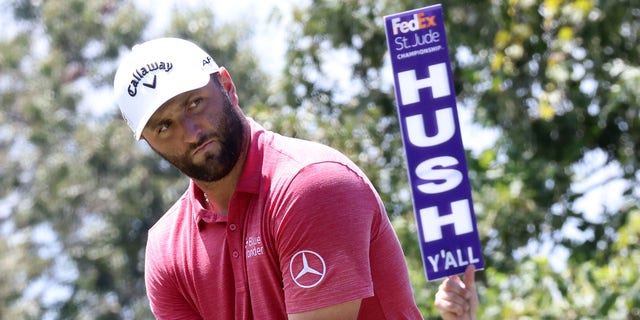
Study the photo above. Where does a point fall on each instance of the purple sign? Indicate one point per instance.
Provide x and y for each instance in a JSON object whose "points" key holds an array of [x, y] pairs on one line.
{"points": [[436, 162]]}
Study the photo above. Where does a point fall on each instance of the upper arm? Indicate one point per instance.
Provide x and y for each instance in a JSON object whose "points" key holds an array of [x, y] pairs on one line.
{"points": [[343, 311], [165, 298], [327, 224], [167, 302]]}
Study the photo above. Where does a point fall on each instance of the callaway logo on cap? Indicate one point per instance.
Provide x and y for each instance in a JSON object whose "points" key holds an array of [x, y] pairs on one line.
{"points": [[156, 71]]}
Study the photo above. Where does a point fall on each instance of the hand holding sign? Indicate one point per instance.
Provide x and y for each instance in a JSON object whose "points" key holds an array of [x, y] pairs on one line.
{"points": [[458, 299], [432, 142]]}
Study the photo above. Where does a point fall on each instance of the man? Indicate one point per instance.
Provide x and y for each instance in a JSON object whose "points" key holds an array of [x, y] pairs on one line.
{"points": [[270, 227]]}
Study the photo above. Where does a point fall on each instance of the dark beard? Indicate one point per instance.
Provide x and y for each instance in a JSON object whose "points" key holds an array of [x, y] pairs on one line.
{"points": [[216, 166]]}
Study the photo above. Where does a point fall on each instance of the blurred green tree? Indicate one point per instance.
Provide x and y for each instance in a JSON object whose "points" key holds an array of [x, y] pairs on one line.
{"points": [[77, 193], [558, 80]]}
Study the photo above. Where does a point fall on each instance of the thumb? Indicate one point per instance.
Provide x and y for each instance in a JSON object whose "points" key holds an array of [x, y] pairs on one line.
{"points": [[470, 278], [470, 284]]}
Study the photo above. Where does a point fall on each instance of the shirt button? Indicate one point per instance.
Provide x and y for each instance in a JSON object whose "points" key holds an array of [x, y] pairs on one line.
{"points": [[233, 227], [235, 254]]}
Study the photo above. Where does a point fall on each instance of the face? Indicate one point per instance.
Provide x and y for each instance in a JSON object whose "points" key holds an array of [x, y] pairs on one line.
{"points": [[200, 132]]}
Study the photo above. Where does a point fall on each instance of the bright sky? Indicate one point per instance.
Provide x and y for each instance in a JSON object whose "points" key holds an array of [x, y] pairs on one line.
{"points": [[269, 37]]}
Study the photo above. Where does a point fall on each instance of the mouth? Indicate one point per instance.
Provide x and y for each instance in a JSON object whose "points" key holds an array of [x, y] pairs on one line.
{"points": [[203, 146]]}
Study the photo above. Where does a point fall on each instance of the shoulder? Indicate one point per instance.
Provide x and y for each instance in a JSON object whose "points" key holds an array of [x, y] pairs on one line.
{"points": [[169, 218], [321, 194], [332, 177], [283, 156], [302, 165], [162, 235], [288, 155], [297, 168]]}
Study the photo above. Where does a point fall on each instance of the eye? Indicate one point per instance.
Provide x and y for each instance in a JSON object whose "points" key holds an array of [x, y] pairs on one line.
{"points": [[195, 103], [163, 126]]}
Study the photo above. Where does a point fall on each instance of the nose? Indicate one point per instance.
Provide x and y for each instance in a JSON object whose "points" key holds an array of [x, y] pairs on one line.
{"points": [[192, 130]]}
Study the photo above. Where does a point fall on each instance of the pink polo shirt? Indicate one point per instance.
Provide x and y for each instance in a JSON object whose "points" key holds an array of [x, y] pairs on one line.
{"points": [[305, 230]]}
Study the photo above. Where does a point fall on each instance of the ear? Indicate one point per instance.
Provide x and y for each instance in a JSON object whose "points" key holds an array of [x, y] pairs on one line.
{"points": [[229, 86]]}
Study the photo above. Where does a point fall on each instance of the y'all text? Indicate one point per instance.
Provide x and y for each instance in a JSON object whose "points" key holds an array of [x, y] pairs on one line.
{"points": [[447, 259]]}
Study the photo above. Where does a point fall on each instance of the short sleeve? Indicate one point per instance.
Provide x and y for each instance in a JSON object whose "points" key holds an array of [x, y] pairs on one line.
{"points": [[326, 218], [165, 298]]}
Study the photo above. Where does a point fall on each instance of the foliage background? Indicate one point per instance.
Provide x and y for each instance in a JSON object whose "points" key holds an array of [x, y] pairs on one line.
{"points": [[556, 193]]}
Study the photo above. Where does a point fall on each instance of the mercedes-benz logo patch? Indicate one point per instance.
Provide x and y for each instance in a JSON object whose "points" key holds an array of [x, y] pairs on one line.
{"points": [[307, 268]]}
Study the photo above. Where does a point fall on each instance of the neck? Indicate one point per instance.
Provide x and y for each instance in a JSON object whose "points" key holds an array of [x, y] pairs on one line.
{"points": [[219, 193]]}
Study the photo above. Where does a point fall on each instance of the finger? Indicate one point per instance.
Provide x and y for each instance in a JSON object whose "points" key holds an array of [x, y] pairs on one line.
{"points": [[452, 302], [451, 308], [453, 286], [470, 278], [470, 283], [452, 295]]}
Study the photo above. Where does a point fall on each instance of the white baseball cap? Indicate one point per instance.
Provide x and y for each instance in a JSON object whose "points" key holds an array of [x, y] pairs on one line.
{"points": [[156, 71]]}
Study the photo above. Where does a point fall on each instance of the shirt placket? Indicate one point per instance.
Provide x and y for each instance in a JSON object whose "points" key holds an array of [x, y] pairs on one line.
{"points": [[235, 239]]}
